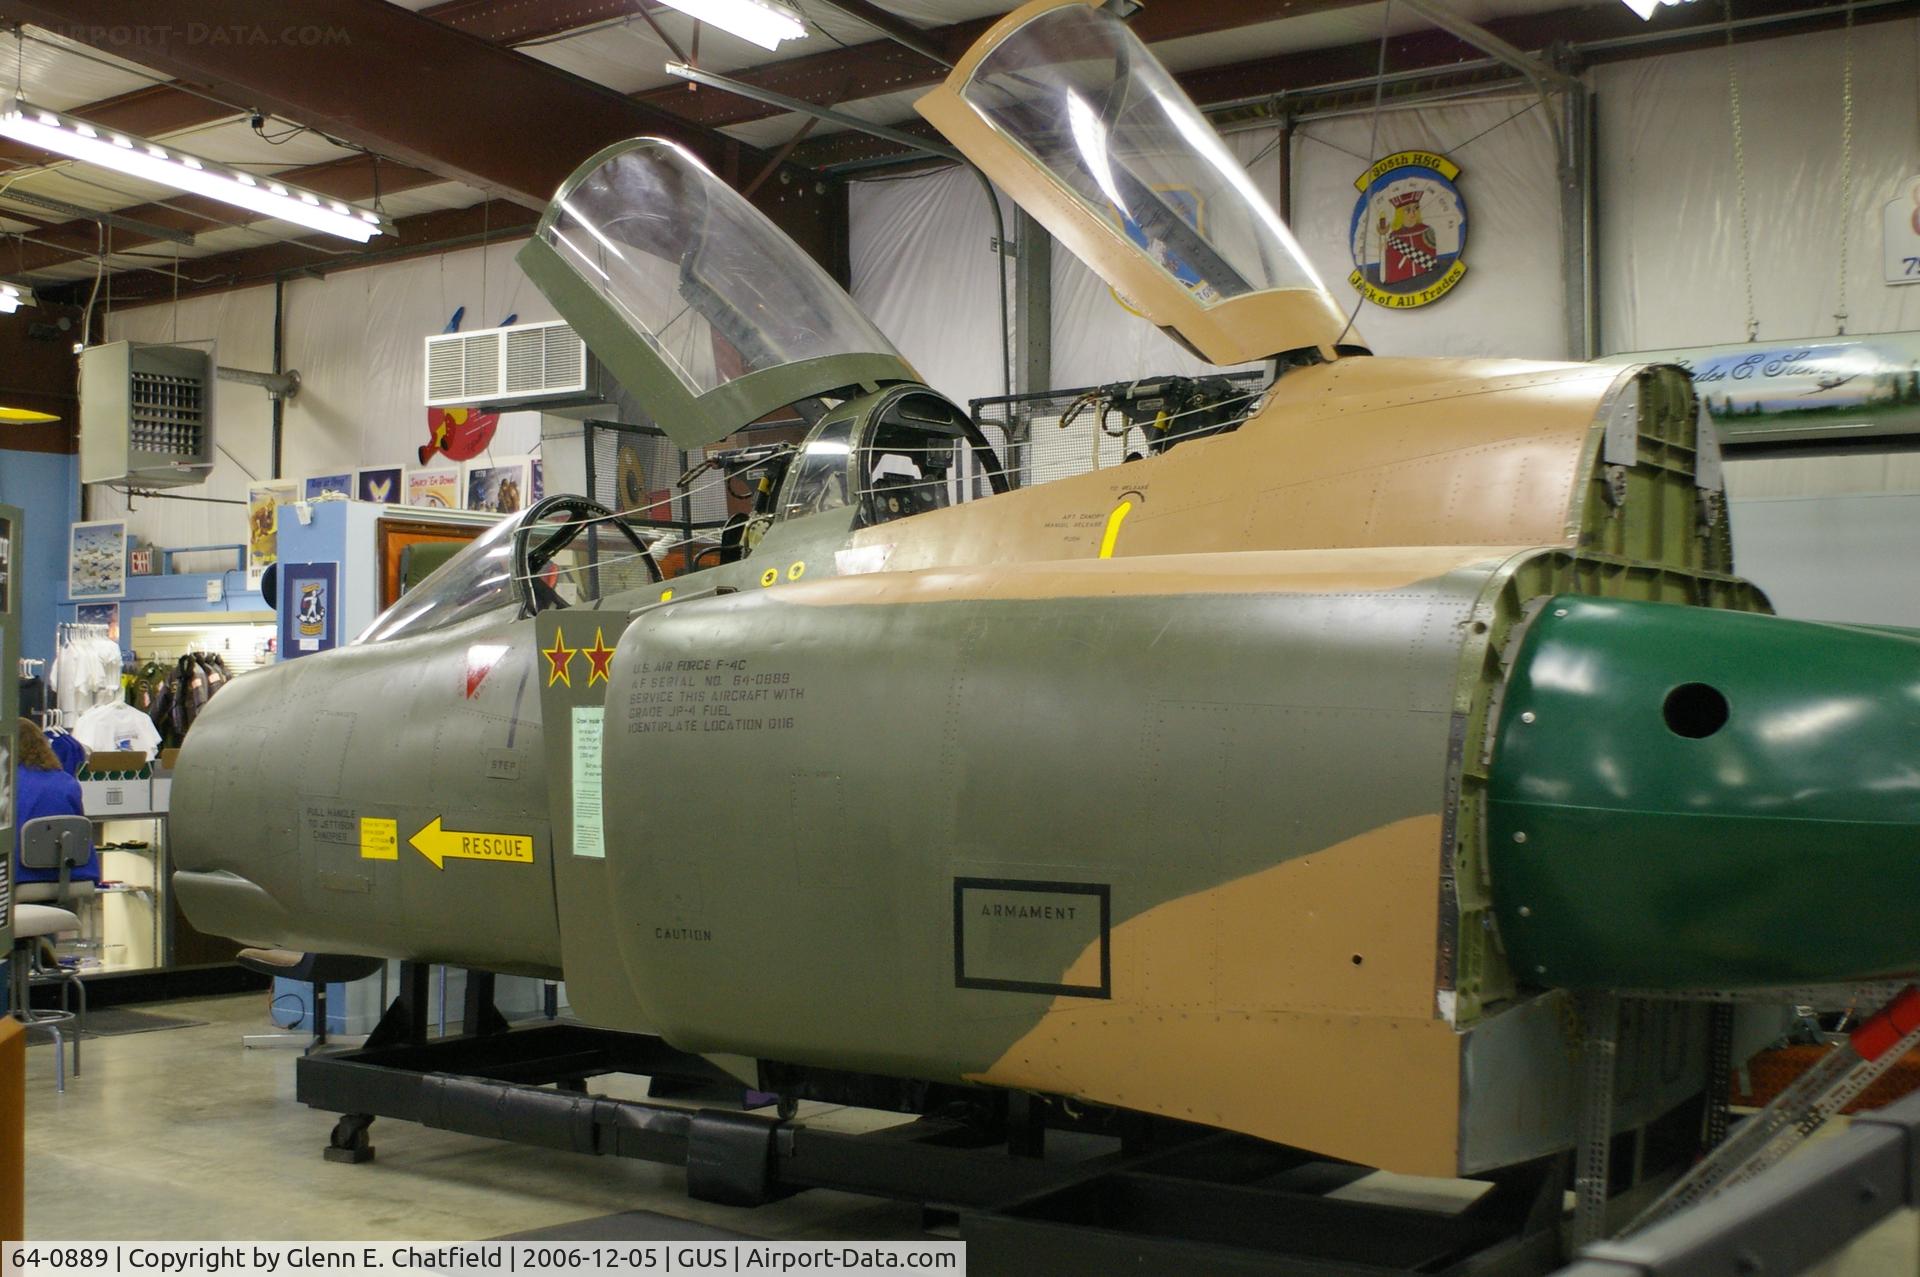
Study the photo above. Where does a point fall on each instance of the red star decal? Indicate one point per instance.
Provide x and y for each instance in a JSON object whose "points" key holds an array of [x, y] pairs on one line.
{"points": [[599, 659], [559, 659]]}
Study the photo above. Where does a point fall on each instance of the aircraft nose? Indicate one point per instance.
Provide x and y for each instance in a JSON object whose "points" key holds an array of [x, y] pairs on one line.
{"points": [[1683, 798]]}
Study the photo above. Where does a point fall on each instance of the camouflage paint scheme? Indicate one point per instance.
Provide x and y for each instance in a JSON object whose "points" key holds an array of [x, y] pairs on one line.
{"points": [[1164, 787]]}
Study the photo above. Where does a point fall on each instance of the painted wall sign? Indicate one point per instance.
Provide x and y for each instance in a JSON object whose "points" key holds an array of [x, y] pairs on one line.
{"points": [[1408, 231], [1835, 387]]}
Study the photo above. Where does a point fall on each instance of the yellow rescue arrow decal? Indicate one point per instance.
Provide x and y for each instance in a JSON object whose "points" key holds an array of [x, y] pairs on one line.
{"points": [[441, 845]]}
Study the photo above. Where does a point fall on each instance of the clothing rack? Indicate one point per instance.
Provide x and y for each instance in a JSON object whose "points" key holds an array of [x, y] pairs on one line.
{"points": [[68, 630], [65, 710]]}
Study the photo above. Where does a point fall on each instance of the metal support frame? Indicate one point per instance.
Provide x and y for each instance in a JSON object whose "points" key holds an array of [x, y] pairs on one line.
{"points": [[1577, 219], [892, 26], [1572, 128], [802, 107], [1041, 1187], [1033, 304], [1593, 1167], [115, 220], [1788, 1218]]}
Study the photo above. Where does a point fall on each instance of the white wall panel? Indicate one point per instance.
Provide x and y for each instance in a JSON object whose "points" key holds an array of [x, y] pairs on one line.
{"points": [[1671, 270], [1833, 558], [1511, 300], [240, 323], [923, 268], [358, 340]]}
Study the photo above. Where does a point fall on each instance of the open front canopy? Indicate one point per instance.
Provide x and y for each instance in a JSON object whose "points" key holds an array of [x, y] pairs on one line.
{"points": [[1067, 111], [701, 307]]}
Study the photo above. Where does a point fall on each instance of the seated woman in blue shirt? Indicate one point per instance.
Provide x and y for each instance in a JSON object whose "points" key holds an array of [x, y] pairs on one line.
{"points": [[45, 789]]}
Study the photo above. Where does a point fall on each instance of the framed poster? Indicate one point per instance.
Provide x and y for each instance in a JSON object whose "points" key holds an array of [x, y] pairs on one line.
{"points": [[539, 488], [499, 486], [263, 526], [97, 560], [107, 614], [382, 484], [309, 606], [321, 487], [6, 567], [438, 489]]}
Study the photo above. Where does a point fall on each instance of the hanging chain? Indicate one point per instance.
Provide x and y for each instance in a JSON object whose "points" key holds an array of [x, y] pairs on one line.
{"points": [[1846, 171], [1740, 175]]}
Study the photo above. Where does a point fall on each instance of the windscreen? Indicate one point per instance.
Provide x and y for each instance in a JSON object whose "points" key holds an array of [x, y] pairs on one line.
{"points": [[1080, 94], [478, 579], [706, 280]]}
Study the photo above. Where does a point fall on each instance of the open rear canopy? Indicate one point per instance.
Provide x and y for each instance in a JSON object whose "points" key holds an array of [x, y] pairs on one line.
{"points": [[700, 306], [1064, 108]]}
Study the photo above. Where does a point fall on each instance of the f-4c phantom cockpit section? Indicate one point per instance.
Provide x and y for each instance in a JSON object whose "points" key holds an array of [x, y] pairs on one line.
{"points": [[1267, 783]]}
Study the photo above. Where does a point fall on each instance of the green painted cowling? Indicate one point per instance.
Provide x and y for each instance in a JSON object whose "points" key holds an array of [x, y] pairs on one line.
{"points": [[1689, 798]]}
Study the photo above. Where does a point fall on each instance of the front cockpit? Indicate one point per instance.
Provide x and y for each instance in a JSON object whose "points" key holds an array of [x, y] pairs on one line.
{"points": [[715, 321], [564, 551]]}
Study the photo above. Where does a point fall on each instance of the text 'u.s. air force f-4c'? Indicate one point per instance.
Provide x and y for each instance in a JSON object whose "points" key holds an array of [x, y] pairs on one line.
{"points": [[1296, 781]]}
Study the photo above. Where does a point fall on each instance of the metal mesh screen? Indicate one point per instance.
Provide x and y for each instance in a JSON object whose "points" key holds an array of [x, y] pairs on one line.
{"points": [[632, 470], [1044, 451]]}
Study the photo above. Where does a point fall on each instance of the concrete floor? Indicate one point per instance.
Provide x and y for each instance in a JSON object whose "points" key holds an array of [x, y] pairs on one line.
{"points": [[183, 1134]]}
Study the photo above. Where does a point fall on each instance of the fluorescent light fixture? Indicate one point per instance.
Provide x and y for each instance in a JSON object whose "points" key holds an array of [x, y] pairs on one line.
{"points": [[13, 297], [152, 162], [764, 22], [195, 627], [1647, 8]]}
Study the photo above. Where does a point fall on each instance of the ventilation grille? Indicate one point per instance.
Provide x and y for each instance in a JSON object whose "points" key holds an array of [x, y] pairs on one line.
{"points": [[496, 365], [168, 416], [480, 357], [446, 371]]}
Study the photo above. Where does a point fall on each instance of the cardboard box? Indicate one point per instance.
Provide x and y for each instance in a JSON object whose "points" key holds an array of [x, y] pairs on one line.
{"points": [[168, 758], [113, 762]]}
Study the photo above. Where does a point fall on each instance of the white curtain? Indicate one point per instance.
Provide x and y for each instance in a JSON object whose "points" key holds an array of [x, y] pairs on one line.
{"points": [[1511, 300], [923, 268], [358, 339], [916, 271], [1672, 271]]}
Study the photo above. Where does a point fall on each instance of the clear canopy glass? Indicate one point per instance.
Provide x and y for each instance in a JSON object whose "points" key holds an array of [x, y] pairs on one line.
{"points": [[1080, 94], [712, 286], [476, 580]]}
